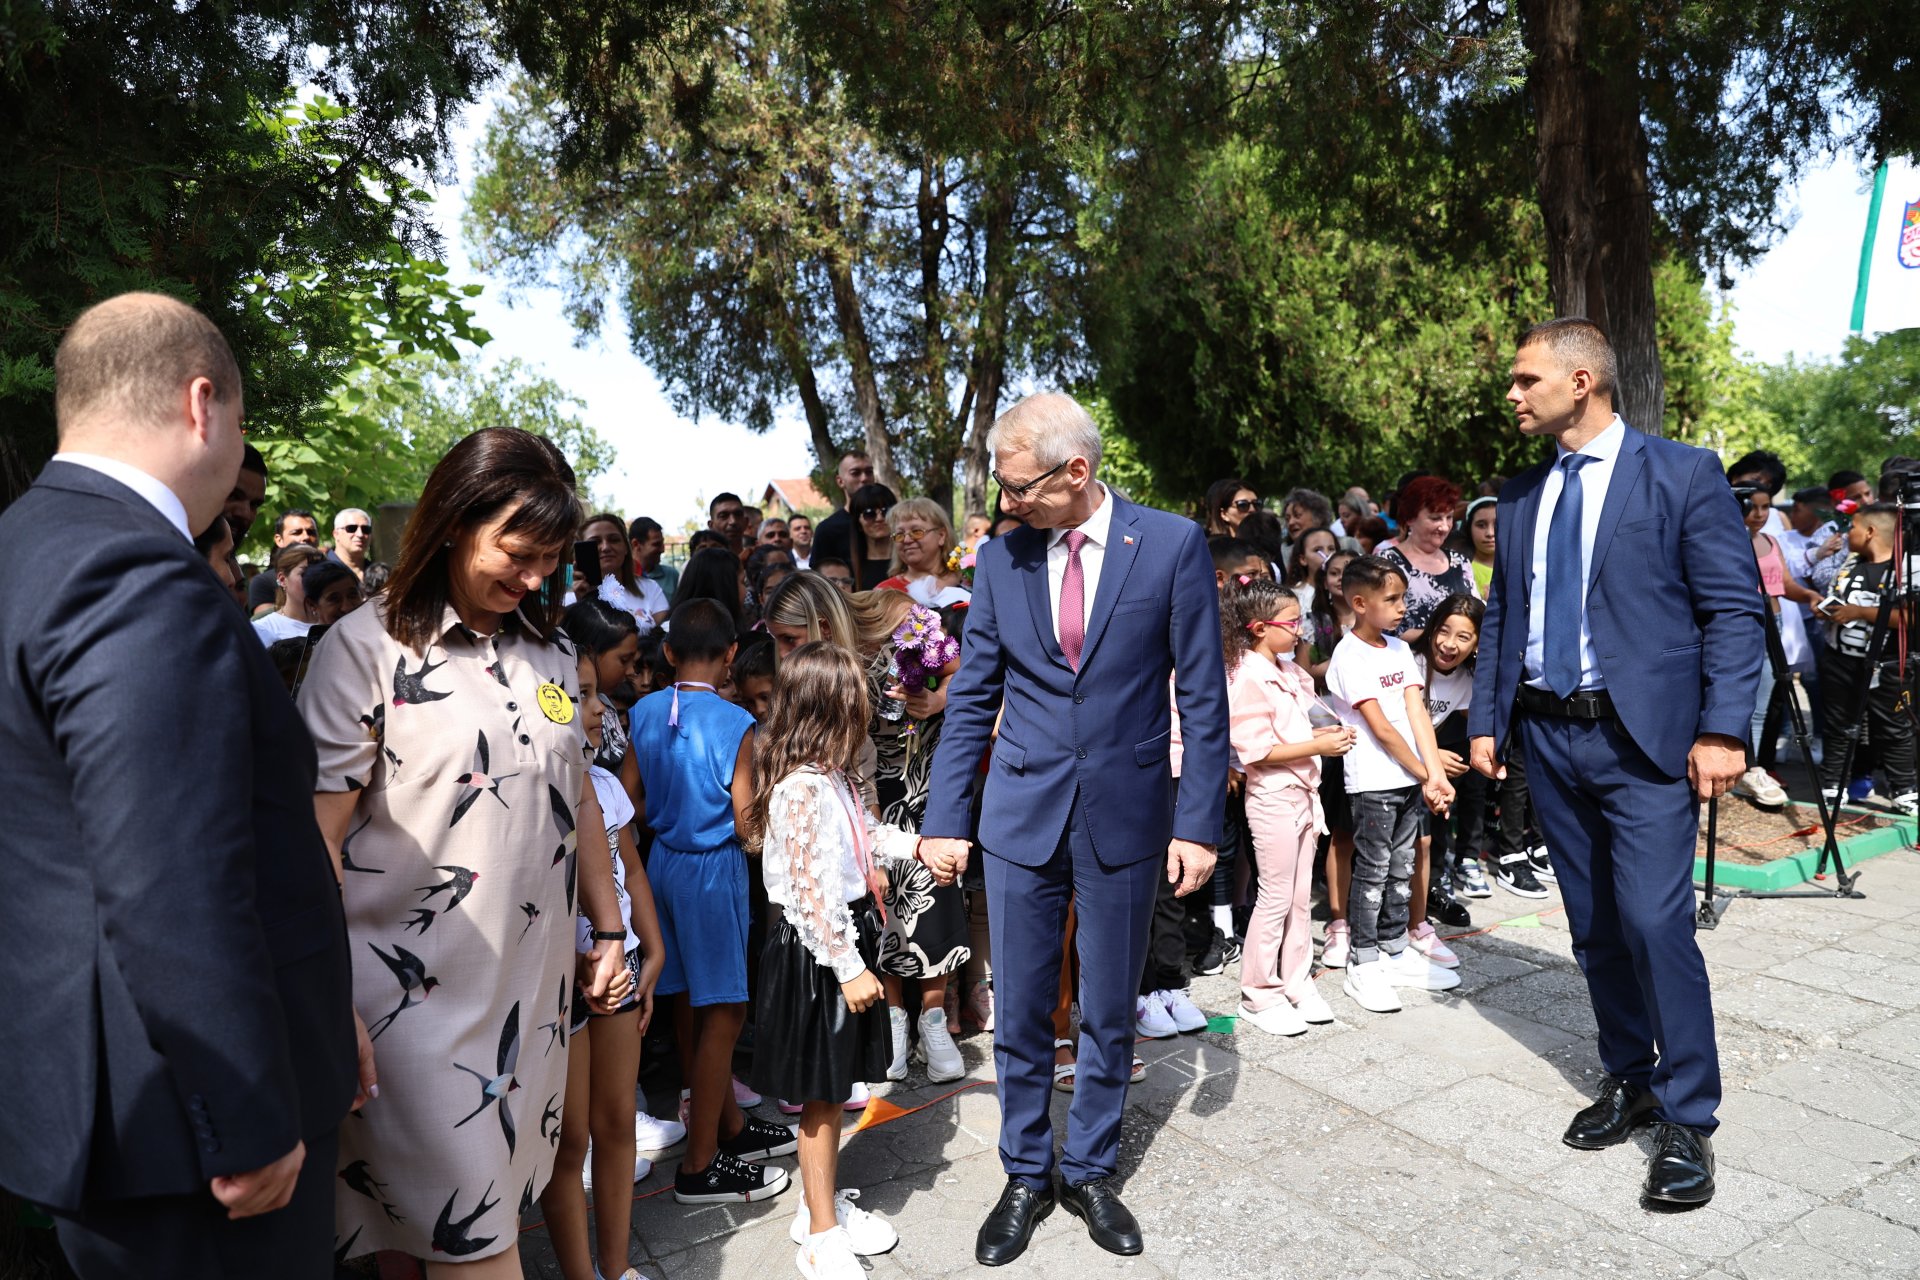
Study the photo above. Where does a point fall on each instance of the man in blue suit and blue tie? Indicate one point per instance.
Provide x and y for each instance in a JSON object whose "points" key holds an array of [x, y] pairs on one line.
{"points": [[1620, 655], [1077, 621]]}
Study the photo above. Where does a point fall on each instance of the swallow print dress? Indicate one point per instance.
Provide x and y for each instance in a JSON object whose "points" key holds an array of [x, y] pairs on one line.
{"points": [[460, 869]]}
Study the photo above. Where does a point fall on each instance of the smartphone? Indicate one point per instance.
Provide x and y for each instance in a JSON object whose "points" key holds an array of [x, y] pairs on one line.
{"points": [[586, 562]]}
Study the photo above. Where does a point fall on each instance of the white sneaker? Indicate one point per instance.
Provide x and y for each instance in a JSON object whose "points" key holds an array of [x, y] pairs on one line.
{"points": [[937, 1047], [1151, 1019], [1277, 1019], [830, 1255], [1757, 785], [656, 1136], [866, 1232], [641, 1168], [1906, 802], [1180, 1007], [897, 1022], [1368, 985], [859, 1098], [1313, 1006], [1411, 969]]}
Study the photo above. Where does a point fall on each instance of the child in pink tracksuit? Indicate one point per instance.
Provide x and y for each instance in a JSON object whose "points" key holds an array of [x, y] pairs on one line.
{"points": [[1277, 744]]}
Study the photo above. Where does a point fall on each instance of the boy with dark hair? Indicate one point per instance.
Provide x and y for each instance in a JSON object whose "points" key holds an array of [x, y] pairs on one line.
{"points": [[1394, 765], [1851, 611], [753, 675], [695, 753]]}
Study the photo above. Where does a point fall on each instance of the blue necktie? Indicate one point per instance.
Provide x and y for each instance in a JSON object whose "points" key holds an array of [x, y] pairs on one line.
{"points": [[1565, 590]]}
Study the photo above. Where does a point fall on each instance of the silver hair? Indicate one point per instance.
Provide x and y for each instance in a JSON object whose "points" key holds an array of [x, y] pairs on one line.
{"points": [[351, 511], [1051, 426]]}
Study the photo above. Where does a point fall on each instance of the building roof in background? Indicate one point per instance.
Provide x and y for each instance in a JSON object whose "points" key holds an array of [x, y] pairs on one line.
{"points": [[795, 495]]}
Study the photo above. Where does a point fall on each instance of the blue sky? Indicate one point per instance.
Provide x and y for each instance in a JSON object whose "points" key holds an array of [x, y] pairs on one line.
{"points": [[1796, 300]]}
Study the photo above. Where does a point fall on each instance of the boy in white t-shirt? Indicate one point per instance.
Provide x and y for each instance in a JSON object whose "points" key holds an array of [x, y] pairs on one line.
{"points": [[1393, 767]]}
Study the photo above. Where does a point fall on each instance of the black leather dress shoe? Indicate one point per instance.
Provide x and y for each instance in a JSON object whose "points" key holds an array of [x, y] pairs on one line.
{"points": [[1109, 1222], [1004, 1235], [1681, 1171], [1612, 1117]]}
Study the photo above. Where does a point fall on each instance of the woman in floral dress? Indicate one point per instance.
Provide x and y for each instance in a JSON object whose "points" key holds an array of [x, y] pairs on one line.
{"points": [[452, 793]]}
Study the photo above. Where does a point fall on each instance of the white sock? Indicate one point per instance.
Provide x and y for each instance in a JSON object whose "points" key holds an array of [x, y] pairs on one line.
{"points": [[1223, 920]]}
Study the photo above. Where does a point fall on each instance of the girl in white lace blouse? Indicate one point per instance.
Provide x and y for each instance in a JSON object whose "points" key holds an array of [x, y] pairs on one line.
{"points": [[822, 1021]]}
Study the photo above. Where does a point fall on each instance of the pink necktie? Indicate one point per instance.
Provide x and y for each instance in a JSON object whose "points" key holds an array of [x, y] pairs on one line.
{"points": [[1073, 595]]}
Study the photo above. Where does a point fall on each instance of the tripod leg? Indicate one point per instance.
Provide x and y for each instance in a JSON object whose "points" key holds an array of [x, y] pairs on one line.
{"points": [[1709, 914]]}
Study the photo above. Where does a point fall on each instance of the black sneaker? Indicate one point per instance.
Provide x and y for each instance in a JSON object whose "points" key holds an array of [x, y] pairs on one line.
{"points": [[1514, 871], [1541, 864], [728, 1180], [1214, 959], [1444, 908], [761, 1140], [1230, 952]]}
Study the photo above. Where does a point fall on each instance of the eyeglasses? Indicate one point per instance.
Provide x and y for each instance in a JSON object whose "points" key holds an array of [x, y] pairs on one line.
{"points": [[910, 535], [1244, 504], [353, 528], [875, 513], [1019, 492]]}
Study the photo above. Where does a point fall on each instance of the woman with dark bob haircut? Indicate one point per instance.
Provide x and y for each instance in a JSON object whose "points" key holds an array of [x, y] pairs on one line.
{"points": [[453, 796]]}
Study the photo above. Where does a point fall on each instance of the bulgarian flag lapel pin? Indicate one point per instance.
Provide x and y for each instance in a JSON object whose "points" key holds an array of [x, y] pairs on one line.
{"points": [[1127, 538]]}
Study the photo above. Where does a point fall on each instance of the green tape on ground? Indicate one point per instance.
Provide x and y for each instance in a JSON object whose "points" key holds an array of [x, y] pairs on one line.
{"points": [[1521, 922], [1224, 1025]]}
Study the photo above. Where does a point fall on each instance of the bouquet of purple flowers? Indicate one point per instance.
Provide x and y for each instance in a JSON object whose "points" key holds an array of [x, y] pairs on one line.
{"points": [[921, 649]]}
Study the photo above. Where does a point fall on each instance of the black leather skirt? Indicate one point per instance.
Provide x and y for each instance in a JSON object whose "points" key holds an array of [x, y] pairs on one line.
{"points": [[807, 1045]]}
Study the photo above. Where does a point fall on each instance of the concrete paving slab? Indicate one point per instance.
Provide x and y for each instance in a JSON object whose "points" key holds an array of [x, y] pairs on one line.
{"points": [[1426, 1143]]}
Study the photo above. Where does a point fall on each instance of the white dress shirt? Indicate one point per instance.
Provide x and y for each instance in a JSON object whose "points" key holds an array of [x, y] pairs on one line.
{"points": [[1093, 554], [1595, 476], [158, 496]]}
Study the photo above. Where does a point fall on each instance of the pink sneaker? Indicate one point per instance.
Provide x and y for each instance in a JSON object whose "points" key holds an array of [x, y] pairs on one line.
{"points": [[1429, 944], [745, 1096], [980, 1005], [1339, 942]]}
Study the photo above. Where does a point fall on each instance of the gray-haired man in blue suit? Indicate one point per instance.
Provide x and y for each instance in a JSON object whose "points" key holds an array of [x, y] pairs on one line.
{"points": [[1076, 623]]}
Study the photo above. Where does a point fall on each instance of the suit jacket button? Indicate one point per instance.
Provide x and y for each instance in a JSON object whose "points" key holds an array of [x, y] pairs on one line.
{"points": [[210, 1146], [524, 739], [1080, 753], [1079, 698]]}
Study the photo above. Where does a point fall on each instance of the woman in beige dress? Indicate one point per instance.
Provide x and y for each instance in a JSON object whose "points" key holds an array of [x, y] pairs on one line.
{"points": [[453, 795]]}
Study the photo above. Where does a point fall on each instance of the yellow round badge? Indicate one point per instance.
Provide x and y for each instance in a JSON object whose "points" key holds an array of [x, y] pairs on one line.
{"points": [[554, 703]]}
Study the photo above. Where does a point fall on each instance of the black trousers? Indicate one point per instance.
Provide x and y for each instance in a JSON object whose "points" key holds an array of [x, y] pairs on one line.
{"points": [[1885, 716], [1183, 927], [190, 1237]]}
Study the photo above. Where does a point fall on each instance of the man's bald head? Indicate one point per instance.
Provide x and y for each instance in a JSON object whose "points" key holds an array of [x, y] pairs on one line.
{"points": [[128, 362]]}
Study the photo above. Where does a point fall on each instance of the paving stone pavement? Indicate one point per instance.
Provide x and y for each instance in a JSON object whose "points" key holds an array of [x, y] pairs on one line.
{"points": [[1426, 1143]]}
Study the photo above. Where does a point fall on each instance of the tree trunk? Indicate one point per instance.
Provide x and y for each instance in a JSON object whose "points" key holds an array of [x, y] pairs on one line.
{"points": [[1556, 83], [990, 335], [1592, 175], [786, 337], [1623, 209], [930, 207]]}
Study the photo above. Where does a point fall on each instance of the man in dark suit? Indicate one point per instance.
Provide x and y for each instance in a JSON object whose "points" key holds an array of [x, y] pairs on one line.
{"points": [[1621, 653], [1076, 622], [180, 1042]]}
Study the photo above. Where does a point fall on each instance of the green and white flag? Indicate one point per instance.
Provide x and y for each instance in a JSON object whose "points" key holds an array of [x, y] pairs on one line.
{"points": [[1888, 295]]}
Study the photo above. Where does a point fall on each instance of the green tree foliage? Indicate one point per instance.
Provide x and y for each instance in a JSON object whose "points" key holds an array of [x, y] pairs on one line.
{"points": [[392, 421], [151, 147], [1822, 416], [869, 211]]}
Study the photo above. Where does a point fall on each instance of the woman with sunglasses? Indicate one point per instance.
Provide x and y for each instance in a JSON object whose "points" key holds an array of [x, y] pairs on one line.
{"points": [[922, 540], [872, 507], [1228, 503]]}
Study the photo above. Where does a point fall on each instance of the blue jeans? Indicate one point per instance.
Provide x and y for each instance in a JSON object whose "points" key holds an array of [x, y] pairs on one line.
{"points": [[1386, 829]]}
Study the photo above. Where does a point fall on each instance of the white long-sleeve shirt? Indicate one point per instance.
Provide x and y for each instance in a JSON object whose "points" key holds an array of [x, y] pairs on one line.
{"points": [[810, 866]]}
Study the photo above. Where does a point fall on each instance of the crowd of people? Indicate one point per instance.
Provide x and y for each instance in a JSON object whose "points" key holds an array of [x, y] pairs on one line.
{"points": [[564, 786]]}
